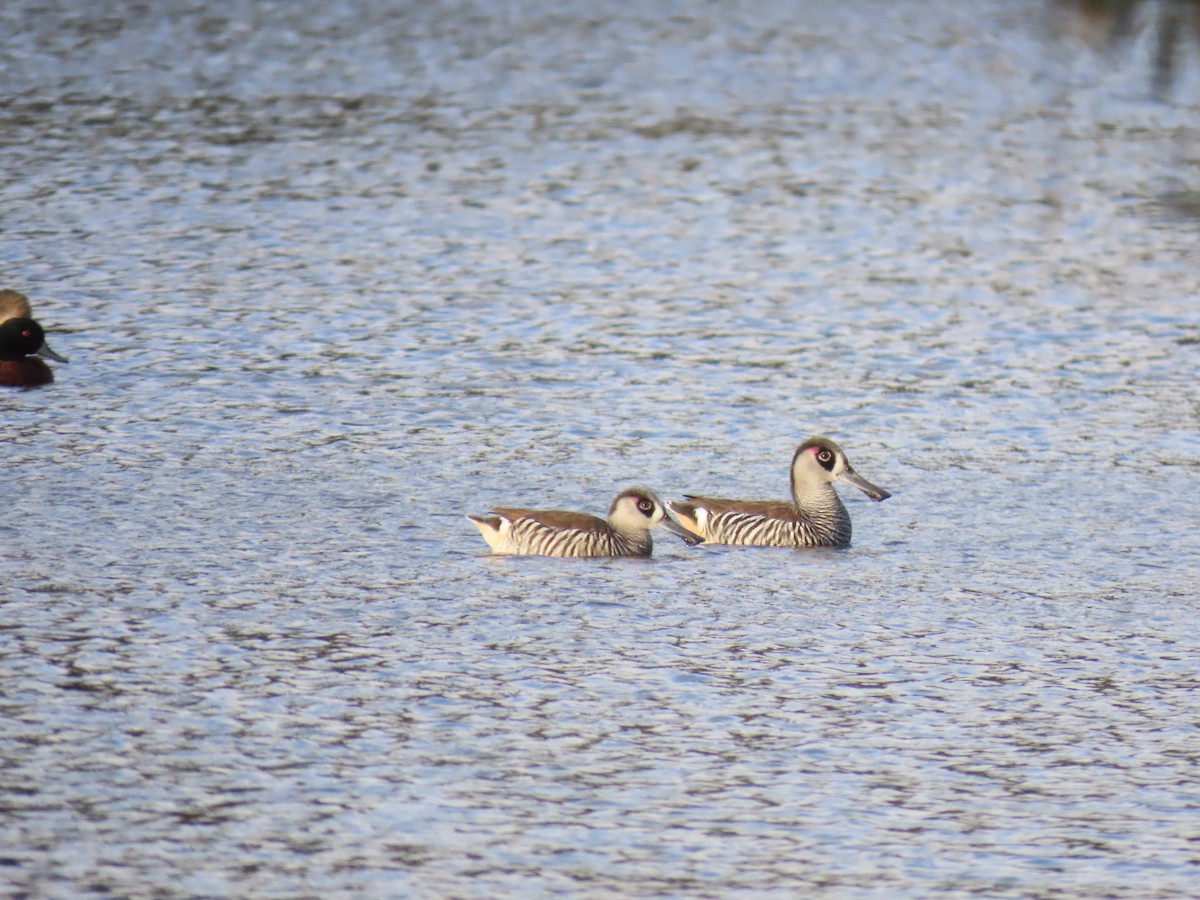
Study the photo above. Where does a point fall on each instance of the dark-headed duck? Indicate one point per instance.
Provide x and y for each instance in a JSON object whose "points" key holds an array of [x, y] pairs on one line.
{"points": [[22, 344]]}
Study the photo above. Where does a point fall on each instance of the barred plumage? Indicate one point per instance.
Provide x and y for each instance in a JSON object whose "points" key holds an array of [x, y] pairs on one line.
{"points": [[560, 533], [532, 537], [815, 517]]}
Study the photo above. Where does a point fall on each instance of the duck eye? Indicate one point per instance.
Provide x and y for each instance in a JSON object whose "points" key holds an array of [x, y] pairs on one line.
{"points": [[824, 456], [646, 506]]}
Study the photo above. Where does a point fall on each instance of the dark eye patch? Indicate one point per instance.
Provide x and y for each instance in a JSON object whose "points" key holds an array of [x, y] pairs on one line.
{"points": [[646, 505]]}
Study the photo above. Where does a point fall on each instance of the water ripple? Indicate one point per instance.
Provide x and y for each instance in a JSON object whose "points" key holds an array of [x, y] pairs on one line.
{"points": [[332, 277]]}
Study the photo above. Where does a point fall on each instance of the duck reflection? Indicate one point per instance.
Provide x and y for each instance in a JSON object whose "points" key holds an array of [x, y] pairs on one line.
{"points": [[1112, 23]]}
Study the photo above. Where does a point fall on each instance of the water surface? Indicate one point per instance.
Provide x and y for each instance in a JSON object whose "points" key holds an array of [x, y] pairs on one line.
{"points": [[332, 276]]}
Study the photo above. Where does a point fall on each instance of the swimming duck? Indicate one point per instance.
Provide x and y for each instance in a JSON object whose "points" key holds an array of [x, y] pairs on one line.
{"points": [[815, 517], [22, 344], [559, 533]]}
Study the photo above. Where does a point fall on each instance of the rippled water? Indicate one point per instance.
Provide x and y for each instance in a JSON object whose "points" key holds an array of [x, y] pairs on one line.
{"points": [[331, 276]]}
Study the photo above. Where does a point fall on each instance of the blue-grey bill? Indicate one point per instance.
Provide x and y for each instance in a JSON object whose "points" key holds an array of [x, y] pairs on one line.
{"points": [[669, 524], [873, 491], [46, 352]]}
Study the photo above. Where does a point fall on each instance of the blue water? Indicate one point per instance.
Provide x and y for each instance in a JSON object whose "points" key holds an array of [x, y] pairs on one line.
{"points": [[331, 277]]}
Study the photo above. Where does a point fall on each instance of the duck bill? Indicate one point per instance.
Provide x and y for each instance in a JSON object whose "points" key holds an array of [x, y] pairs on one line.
{"points": [[45, 352], [853, 478], [669, 524]]}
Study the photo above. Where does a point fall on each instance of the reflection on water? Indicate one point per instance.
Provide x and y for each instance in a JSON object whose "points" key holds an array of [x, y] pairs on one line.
{"points": [[1171, 23], [1167, 35], [331, 275]]}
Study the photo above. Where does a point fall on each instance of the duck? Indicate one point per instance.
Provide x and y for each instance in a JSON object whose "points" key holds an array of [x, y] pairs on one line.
{"points": [[814, 517], [23, 348], [559, 533]]}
